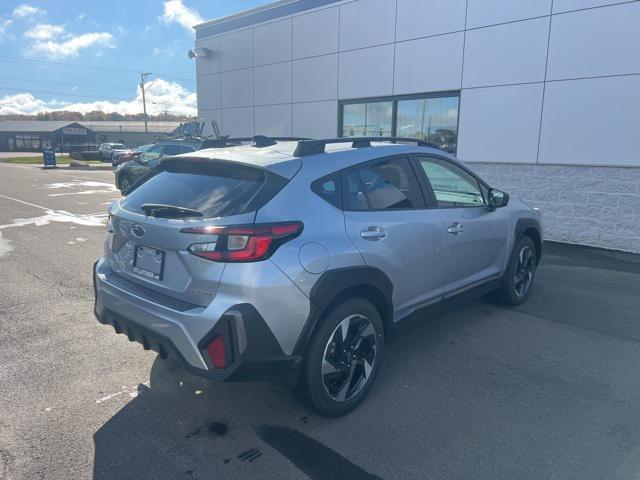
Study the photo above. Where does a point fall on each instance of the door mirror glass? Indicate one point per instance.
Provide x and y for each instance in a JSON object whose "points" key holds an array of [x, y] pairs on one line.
{"points": [[498, 198]]}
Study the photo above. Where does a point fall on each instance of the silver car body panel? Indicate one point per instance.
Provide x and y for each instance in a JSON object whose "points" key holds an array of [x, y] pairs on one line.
{"points": [[422, 260]]}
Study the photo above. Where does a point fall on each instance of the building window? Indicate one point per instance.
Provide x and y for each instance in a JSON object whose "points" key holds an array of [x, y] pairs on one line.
{"points": [[431, 117]]}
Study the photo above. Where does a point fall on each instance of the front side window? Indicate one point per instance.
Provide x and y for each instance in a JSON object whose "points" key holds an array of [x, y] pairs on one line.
{"points": [[387, 185], [451, 185]]}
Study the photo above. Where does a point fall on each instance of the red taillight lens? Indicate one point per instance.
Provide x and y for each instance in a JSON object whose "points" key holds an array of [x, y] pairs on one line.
{"points": [[216, 353], [244, 243]]}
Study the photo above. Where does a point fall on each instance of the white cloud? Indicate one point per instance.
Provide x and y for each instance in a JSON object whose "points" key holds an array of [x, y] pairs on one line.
{"points": [[52, 41], [164, 52], [44, 31], [160, 94], [176, 12], [4, 25], [24, 11]]}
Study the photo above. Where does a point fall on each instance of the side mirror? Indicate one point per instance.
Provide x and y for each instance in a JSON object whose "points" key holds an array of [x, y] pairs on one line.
{"points": [[497, 199]]}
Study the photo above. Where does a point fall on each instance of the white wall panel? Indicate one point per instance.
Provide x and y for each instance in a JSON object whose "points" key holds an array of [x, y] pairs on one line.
{"points": [[237, 88], [211, 64], [592, 121], [272, 42], [422, 18], [272, 84], [316, 119], [208, 88], [236, 50], [429, 64], [273, 120], [489, 12], [315, 78], [366, 73], [500, 124], [601, 41], [367, 22], [504, 54], [567, 5], [238, 122], [316, 33]]}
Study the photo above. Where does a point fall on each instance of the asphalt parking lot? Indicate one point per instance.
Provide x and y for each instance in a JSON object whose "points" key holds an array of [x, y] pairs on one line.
{"points": [[547, 390]]}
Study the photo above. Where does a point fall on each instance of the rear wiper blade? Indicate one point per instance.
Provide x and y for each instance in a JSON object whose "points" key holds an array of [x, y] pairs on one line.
{"points": [[168, 211]]}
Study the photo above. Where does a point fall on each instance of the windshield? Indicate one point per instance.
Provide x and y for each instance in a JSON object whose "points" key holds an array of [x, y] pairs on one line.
{"points": [[117, 146], [144, 148]]}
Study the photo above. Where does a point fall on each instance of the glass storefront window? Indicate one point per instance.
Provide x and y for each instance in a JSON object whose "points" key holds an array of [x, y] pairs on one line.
{"points": [[429, 117], [373, 119]]}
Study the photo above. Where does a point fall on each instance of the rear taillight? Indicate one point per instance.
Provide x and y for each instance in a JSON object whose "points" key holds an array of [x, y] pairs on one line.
{"points": [[216, 352], [248, 243]]}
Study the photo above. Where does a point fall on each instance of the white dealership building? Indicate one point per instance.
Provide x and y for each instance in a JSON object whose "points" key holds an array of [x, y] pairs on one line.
{"points": [[541, 97]]}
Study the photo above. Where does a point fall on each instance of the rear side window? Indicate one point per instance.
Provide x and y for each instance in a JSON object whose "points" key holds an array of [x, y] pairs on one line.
{"points": [[329, 188], [215, 189], [387, 185], [172, 149]]}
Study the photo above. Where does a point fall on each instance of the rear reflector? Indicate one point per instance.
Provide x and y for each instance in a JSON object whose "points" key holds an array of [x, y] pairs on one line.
{"points": [[247, 243], [216, 353]]}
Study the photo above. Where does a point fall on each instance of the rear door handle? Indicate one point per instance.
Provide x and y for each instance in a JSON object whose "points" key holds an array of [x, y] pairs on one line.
{"points": [[455, 228], [373, 233]]}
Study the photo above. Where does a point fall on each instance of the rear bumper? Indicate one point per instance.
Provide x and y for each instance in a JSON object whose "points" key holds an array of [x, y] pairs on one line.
{"points": [[252, 352]]}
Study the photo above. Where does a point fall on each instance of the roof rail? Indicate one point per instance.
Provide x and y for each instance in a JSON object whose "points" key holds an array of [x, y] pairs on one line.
{"points": [[313, 147], [257, 141]]}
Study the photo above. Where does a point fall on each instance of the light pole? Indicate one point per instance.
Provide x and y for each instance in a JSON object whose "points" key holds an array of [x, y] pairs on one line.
{"points": [[143, 78]]}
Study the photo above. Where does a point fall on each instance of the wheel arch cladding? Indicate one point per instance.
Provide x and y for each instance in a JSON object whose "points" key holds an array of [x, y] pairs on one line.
{"points": [[337, 285], [531, 228]]}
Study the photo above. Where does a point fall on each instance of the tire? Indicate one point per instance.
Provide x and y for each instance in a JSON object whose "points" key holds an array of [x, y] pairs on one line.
{"points": [[125, 184], [336, 382], [520, 274]]}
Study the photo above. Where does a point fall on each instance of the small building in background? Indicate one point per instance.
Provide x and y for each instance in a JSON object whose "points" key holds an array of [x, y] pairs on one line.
{"points": [[34, 135], [131, 133]]}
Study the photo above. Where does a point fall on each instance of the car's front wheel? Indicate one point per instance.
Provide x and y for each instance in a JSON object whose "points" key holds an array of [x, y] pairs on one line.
{"points": [[344, 357], [521, 271]]}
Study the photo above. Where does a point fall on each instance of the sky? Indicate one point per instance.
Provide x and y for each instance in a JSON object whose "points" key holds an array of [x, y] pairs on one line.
{"points": [[88, 55]]}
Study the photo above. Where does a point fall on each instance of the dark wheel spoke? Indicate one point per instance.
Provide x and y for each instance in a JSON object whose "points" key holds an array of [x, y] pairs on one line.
{"points": [[349, 357], [523, 274]]}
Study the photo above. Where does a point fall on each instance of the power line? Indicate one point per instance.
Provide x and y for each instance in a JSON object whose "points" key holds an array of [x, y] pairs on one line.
{"points": [[93, 97], [6, 58]]}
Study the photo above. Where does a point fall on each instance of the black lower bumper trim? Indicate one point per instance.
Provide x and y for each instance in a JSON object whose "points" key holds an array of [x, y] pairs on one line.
{"points": [[246, 365]]}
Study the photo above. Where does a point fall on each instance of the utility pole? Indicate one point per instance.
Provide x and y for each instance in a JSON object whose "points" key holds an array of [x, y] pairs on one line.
{"points": [[143, 78]]}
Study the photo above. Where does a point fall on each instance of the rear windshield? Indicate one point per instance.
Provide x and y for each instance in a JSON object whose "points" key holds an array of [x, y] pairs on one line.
{"points": [[215, 189]]}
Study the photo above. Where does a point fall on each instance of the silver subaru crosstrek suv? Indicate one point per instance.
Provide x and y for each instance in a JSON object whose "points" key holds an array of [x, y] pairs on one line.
{"points": [[293, 260]]}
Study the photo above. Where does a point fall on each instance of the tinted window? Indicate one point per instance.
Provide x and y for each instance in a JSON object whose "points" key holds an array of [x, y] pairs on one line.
{"points": [[172, 149], [390, 184], [329, 189], [452, 186], [216, 190], [186, 149]]}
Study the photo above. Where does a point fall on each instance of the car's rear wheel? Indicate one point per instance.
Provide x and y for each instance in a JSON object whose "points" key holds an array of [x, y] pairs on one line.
{"points": [[521, 271], [344, 357]]}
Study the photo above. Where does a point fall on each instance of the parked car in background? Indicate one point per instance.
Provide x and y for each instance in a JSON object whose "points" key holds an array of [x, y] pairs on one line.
{"points": [[129, 172], [120, 157], [106, 151], [295, 260]]}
